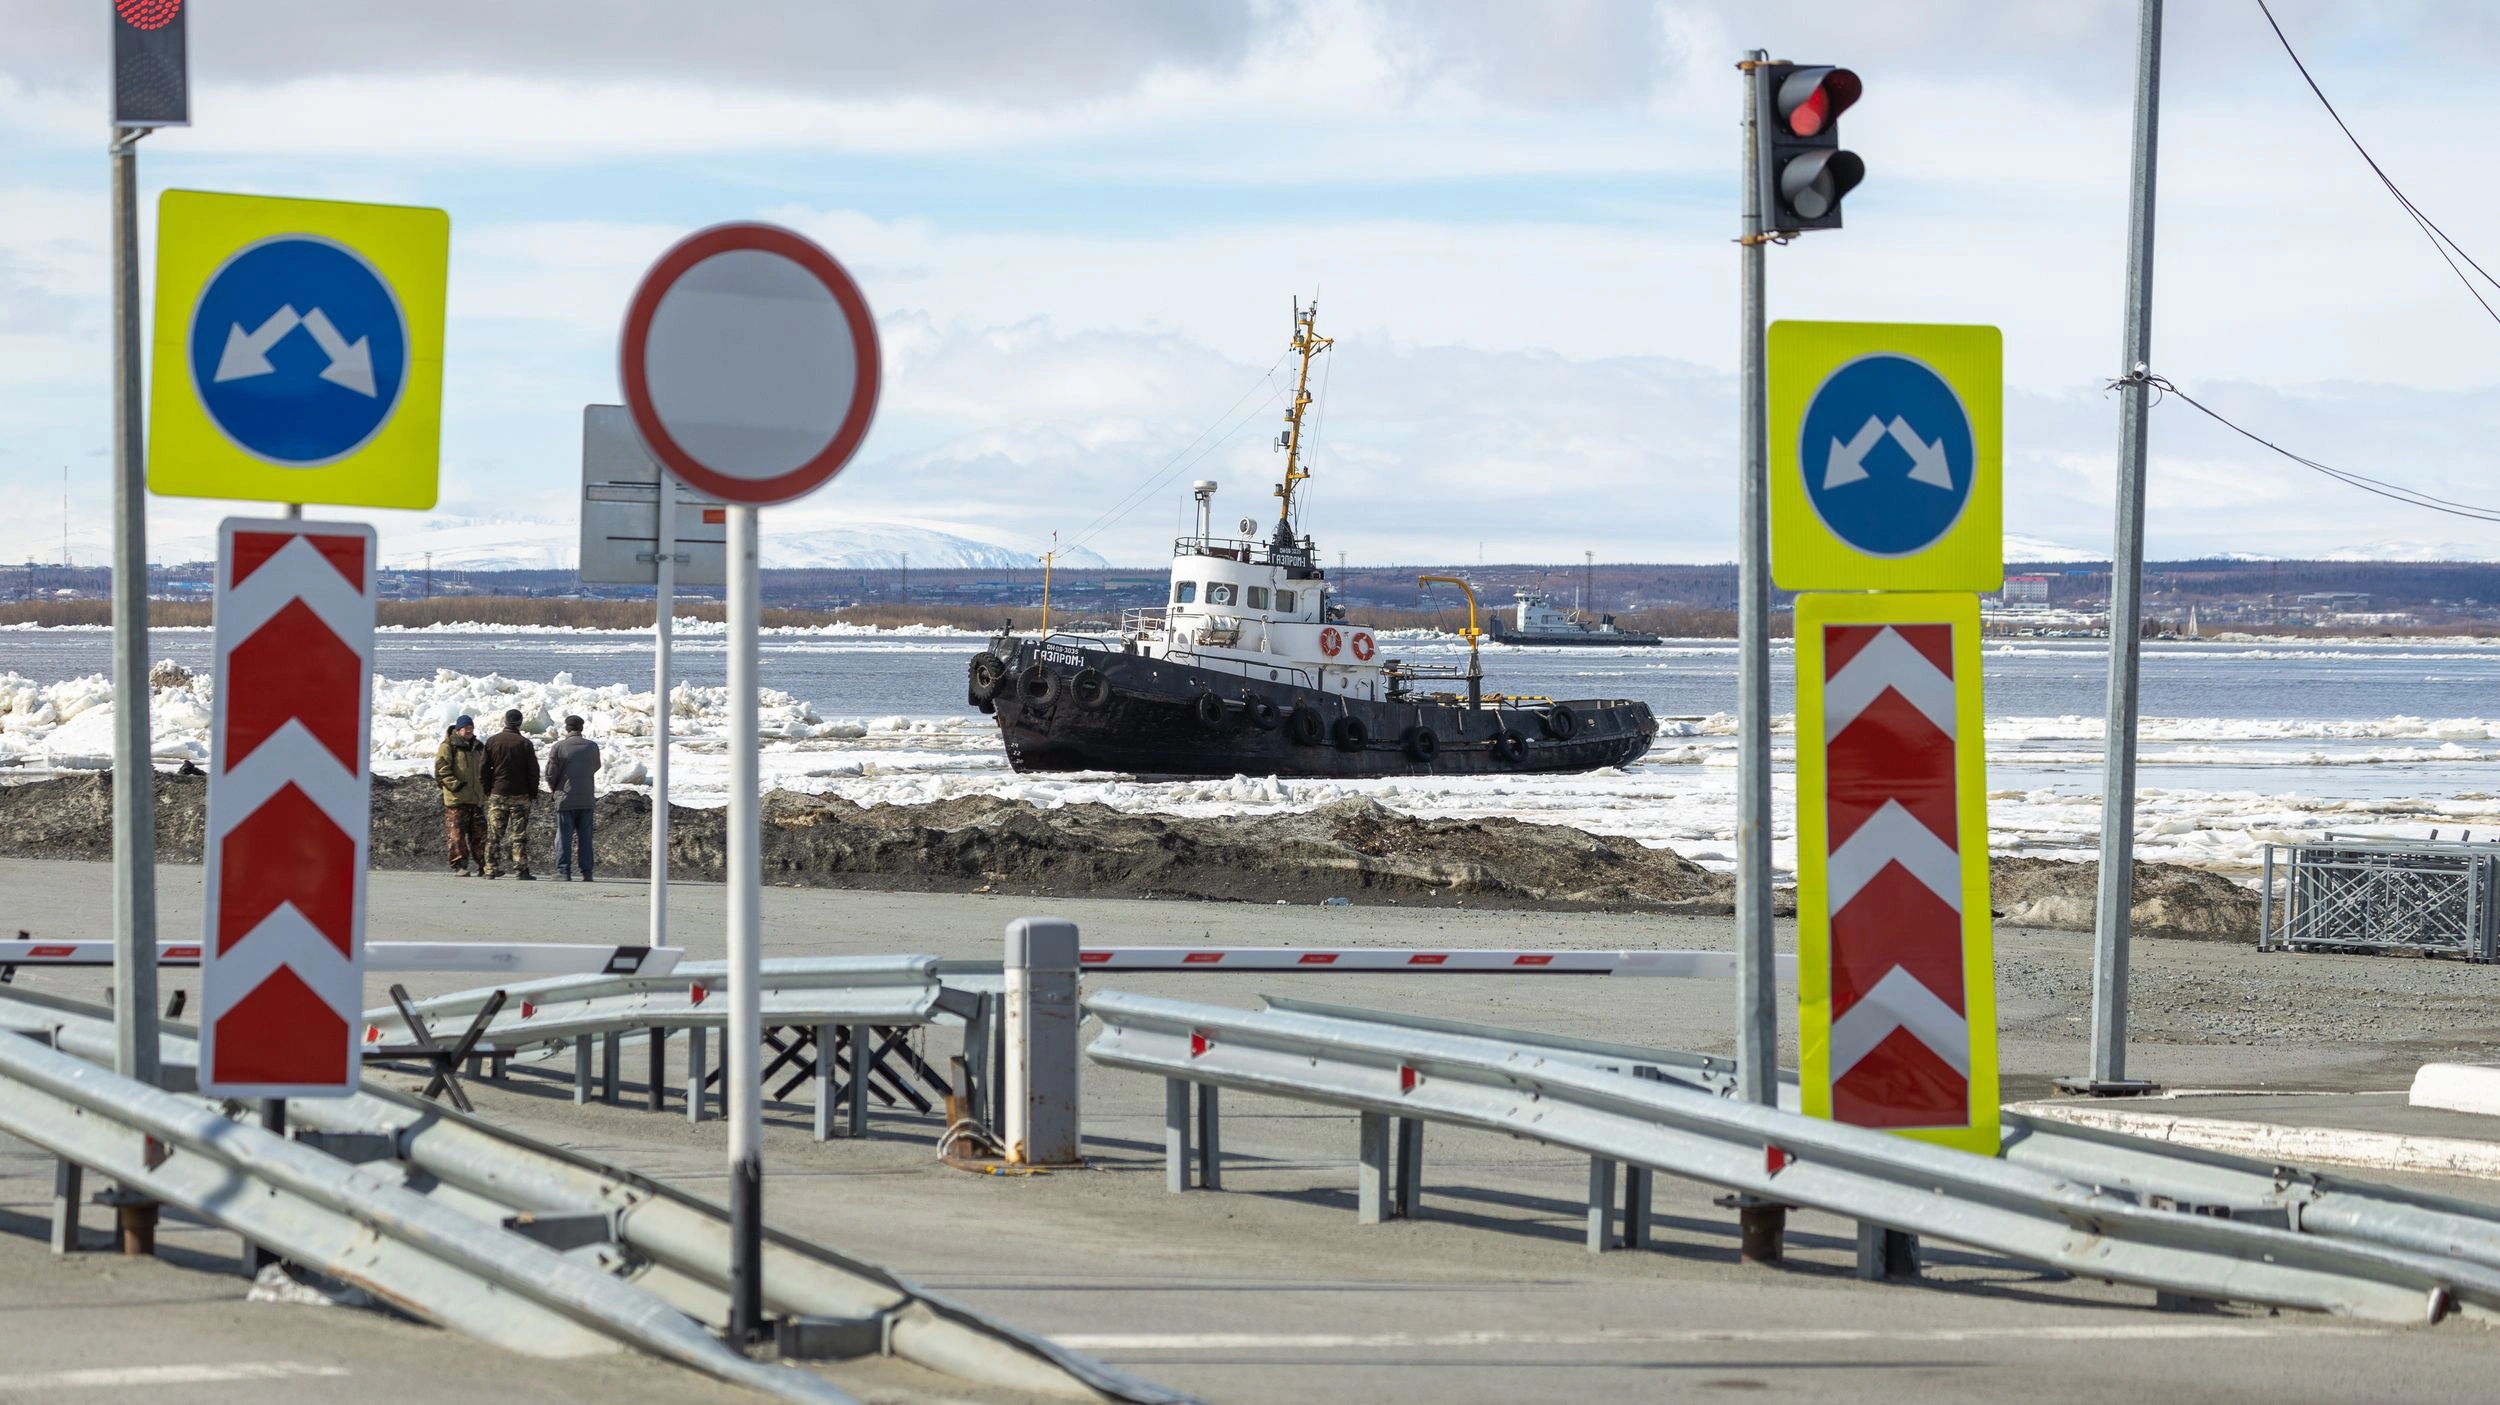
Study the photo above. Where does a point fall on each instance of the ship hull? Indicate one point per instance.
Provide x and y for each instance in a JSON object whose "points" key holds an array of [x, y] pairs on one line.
{"points": [[1151, 717], [1584, 639]]}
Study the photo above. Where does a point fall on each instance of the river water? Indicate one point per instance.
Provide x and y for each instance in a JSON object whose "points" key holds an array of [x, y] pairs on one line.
{"points": [[2242, 741]]}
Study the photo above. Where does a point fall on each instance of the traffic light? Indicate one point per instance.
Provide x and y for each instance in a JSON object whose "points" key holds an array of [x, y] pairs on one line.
{"points": [[1804, 171], [151, 64]]}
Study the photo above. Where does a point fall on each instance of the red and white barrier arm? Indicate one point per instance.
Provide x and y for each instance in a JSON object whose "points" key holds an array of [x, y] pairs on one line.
{"points": [[1707, 965], [519, 958]]}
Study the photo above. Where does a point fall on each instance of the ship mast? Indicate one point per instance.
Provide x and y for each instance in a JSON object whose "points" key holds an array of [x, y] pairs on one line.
{"points": [[1308, 341]]}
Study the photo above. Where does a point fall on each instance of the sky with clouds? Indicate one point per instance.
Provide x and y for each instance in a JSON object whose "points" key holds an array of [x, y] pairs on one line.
{"points": [[1081, 226]]}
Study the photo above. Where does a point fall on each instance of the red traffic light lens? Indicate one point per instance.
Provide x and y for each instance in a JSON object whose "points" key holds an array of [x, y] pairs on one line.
{"points": [[1813, 98]]}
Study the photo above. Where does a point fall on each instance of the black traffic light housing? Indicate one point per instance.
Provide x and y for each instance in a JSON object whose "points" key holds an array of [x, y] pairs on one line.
{"points": [[1804, 171], [151, 64]]}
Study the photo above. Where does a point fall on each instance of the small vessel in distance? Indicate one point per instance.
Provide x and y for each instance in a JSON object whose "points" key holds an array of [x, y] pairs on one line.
{"points": [[1536, 621], [1254, 666]]}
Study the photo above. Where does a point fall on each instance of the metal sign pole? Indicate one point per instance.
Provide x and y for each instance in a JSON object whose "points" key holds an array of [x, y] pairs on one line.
{"points": [[134, 767], [663, 628], [1757, 975], [2126, 586], [745, 1035]]}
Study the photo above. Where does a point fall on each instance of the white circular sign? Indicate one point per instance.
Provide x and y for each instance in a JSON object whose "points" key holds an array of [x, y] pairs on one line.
{"points": [[750, 363]]}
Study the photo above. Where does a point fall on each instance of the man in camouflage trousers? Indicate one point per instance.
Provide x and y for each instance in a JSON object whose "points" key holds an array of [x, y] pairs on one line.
{"points": [[459, 768], [511, 784]]}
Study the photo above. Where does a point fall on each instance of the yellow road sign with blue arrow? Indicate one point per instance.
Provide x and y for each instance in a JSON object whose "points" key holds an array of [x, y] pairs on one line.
{"points": [[299, 350], [1886, 456]]}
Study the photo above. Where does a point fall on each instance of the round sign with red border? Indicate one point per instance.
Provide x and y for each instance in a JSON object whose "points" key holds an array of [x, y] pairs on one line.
{"points": [[750, 363]]}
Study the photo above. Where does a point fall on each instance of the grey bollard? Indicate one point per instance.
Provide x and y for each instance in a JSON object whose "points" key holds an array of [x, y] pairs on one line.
{"points": [[1041, 1091]]}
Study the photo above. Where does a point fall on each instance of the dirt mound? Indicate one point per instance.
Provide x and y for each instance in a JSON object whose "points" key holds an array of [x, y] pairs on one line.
{"points": [[2170, 900], [1357, 849], [1354, 849]]}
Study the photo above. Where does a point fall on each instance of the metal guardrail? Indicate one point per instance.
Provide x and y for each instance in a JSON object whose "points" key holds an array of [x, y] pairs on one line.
{"points": [[806, 991], [2383, 895], [2058, 1199], [667, 1248]]}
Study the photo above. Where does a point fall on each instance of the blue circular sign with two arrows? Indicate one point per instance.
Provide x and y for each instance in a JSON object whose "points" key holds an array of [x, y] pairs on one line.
{"points": [[1886, 452], [299, 350]]}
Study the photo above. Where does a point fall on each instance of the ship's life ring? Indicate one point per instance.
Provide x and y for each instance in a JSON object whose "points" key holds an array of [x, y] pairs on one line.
{"points": [[1422, 743], [1561, 722], [1362, 646], [1262, 713], [988, 675], [1091, 690], [1511, 747], [1210, 710], [1330, 641], [1041, 687], [1351, 734], [1305, 724]]}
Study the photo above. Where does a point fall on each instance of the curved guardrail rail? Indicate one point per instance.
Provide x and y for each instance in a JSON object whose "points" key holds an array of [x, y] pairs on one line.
{"points": [[2009, 1208], [663, 1248]]}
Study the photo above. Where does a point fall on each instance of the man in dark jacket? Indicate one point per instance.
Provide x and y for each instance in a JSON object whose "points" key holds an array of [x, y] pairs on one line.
{"points": [[460, 769], [573, 779], [511, 784]]}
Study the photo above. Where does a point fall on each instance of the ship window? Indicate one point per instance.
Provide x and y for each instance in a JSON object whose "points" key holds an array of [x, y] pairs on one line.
{"points": [[1284, 602], [1219, 593], [1185, 592], [1258, 597]]}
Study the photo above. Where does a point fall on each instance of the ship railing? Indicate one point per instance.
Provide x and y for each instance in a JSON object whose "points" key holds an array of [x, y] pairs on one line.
{"points": [[1139, 622]]}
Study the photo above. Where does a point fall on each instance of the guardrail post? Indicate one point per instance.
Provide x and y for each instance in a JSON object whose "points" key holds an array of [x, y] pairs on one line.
{"points": [[1175, 1135], [1636, 1206], [659, 1069], [611, 1054], [1210, 1140], [696, 1072], [581, 1067], [1601, 1204], [857, 1104], [828, 1038], [1371, 1187], [1886, 1255], [1410, 1168], [1041, 969], [68, 1192]]}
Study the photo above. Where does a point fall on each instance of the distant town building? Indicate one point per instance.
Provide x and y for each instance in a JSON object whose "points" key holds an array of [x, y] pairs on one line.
{"points": [[2026, 590]]}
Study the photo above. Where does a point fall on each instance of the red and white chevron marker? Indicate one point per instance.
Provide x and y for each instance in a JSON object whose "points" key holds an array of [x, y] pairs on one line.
{"points": [[289, 809], [1898, 1026]]}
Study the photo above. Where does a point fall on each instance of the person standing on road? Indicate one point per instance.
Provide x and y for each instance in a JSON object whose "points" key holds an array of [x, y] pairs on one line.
{"points": [[573, 779], [459, 768], [511, 784]]}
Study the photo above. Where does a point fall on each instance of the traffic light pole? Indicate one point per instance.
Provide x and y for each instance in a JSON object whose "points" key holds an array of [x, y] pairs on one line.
{"points": [[134, 766], [1761, 1226], [2126, 587]]}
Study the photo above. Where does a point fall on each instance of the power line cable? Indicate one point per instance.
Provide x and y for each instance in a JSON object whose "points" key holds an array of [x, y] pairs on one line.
{"points": [[1128, 501], [2395, 492], [2441, 244]]}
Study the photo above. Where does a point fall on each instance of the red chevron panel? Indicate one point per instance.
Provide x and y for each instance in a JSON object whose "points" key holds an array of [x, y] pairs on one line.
{"points": [[294, 669], [283, 1032], [1895, 920], [1841, 643], [1901, 1083], [1891, 752], [252, 551], [288, 851]]}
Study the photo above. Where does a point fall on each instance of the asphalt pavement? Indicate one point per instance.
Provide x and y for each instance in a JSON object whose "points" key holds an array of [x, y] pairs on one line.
{"points": [[1268, 1290]]}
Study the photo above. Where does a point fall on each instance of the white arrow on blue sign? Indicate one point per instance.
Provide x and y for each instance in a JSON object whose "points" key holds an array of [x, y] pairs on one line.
{"points": [[1893, 446], [298, 350]]}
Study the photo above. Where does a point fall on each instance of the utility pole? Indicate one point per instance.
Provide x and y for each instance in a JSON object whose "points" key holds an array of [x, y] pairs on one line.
{"points": [[1761, 1227], [902, 591], [2108, 1076], [429, 575]]}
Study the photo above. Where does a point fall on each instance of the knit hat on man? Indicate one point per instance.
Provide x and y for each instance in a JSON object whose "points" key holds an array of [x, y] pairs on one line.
{"points": [[465, 720]]}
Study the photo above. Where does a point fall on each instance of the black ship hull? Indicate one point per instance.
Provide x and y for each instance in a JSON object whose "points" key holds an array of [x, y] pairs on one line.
{"points": [[1579, 639], [1064, 706]]}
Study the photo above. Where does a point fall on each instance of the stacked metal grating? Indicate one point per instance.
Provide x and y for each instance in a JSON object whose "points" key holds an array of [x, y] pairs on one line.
{"points": [[2428, 896]]}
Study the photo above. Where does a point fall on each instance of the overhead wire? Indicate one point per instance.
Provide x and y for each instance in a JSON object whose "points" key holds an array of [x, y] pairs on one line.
{"points": [[2395, 492], [1181, 459], [2441, 244]]}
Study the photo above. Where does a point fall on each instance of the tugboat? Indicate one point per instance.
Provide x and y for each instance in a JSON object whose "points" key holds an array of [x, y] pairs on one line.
{"points": [[1253, 667], [1538, 622]]}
